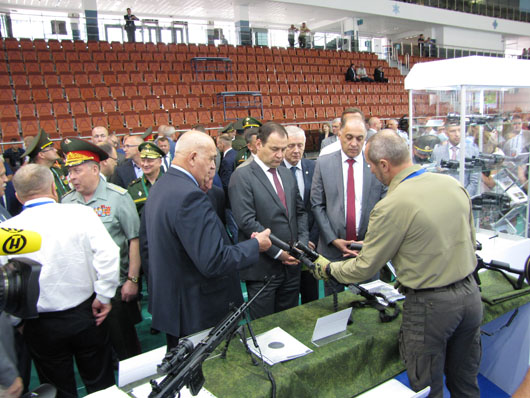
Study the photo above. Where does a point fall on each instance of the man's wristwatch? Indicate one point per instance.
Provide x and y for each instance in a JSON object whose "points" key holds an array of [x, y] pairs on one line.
{"points": [[133, 279]]}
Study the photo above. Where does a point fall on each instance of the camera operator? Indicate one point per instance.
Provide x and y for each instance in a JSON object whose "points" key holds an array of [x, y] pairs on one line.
{"points": [[425, 226], [78, 278]]}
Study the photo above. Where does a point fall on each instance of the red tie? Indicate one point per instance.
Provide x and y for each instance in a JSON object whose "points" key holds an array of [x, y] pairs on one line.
{"points": [[351, 230], [279, 189]]}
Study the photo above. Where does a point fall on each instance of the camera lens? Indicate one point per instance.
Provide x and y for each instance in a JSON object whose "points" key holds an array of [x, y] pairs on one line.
{"points": [[9, 281]]}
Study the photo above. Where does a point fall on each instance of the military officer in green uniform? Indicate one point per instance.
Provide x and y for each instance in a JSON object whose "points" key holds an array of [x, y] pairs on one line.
{"points": [[151, 160], [118, 214], [423, 147], [240, 144], [41, 151]]}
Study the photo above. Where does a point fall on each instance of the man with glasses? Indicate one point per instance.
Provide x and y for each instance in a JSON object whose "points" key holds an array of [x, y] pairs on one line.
{"points": [[130, 169], [514, 146], [151, 160], [41, 151]]}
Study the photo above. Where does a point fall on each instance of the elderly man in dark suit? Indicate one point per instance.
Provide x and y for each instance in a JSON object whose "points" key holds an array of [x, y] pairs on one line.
{"points": [[193, 269], [264, 195], [130, 169], [343, 194], [302, 170]]}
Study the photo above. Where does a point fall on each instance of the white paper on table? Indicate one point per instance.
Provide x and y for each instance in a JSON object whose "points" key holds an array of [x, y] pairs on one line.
{"points": [[395, 389], [111, 392], [386, 289], [144, 390], [288, 347], [331, 324], [140, 366]]}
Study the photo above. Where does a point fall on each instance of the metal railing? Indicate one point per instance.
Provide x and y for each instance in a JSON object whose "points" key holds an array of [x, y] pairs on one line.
{"points": [[486, 9]]}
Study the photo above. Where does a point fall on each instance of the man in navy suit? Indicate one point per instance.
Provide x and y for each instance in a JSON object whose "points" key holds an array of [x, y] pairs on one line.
{"points": [[302, 170], [224, 144], [130, 169], [193, 269], [264, 195]]}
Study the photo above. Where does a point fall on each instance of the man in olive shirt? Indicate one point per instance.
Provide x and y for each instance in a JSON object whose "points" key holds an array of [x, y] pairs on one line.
{"points": [[424, 225], [151, 162], [118, 214]]}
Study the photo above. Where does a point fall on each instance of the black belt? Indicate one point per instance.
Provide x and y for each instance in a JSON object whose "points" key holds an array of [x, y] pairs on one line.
{"points": [[405, 290]]}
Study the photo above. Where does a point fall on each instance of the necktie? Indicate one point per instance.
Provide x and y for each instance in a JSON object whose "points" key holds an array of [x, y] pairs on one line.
{"points": [[351, 229], [293, 170], [279, 189], [166, 165], [453, 153]]}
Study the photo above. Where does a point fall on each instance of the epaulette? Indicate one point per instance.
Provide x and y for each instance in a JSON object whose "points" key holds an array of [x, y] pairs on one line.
{"points": [[68, 193], [134, 181], [116, 188]]}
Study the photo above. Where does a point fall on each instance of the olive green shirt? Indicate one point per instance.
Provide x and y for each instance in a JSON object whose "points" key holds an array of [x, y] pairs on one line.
{"points": [[239, 142], [116, 210], [61, 182], [139, 191], [242, 155], [424, 226]]}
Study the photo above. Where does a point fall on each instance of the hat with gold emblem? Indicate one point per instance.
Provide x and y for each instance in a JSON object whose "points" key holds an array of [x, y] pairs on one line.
{"points": [[79, 151], [39, 143], [227, 129], [426, 143], [150, 151], [246, 122]]}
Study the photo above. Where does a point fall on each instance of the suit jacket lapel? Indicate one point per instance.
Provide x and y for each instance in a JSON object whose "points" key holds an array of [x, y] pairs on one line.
{"points": [[264, 180], [307, 182], [339, 179]]}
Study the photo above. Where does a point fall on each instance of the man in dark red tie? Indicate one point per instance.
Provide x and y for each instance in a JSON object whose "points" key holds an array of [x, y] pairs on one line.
{"points": [[343, 193], [264, 195]]}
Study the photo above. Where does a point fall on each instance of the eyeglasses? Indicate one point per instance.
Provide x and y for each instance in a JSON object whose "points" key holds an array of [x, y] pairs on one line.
{"points": [[50, 148], [130, 146]]}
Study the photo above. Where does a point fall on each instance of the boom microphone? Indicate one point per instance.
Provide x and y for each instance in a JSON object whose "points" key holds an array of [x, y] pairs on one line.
{"points": [[18, 241]]}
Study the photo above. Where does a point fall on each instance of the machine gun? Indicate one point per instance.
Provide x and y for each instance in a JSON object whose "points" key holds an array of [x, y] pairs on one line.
{"points": [[183, 364], [492, 199], [499, 266], [307, 257]]}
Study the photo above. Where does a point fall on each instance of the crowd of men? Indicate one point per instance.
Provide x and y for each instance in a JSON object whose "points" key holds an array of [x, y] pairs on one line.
{"points": [[191, 217]]}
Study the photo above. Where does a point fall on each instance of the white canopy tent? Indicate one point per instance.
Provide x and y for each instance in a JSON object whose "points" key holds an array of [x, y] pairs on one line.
{"points": [[463, 74]]}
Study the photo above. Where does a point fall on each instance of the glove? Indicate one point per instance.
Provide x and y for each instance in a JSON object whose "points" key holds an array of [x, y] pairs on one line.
{"points": [[321, 269]]}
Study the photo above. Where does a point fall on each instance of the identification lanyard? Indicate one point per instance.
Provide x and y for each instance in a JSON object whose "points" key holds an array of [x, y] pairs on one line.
{"points": [[415, 174], [36, 204]]}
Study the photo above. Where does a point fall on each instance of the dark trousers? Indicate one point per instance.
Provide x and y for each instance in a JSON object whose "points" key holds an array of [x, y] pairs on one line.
{"points": [[130, 34], [440, 334], [55, 338], [121, 319], [308, 287], [281, 294]]}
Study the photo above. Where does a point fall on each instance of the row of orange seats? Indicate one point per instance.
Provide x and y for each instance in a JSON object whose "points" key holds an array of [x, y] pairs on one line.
{"points": [[135, 121]]}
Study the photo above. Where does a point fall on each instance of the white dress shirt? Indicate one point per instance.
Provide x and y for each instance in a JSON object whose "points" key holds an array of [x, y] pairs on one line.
{"points": [[77, 254], [299, 175], [330, 148], [358, 177], [265, 169]]}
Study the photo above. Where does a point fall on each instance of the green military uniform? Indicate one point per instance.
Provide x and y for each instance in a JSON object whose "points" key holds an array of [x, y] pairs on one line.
{"points": [[116, 210], [39, 143], [139, 188], [239, 144], [424, 146]]}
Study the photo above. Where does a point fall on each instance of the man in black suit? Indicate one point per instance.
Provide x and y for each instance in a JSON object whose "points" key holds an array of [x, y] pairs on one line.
{"points": [[302, 170], [342, 201], [193, 269], [130, 169], [263, 195]]}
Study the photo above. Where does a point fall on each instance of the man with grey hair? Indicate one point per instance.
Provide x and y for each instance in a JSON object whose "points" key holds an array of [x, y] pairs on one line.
{"points": [[434, 260], [343, 194], [302, 170], [169, 132], [193, 268], [374, 126], [82, 266], [335, 127]]}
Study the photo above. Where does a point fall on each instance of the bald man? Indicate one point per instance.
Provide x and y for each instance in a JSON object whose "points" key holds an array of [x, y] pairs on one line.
{"points": [[193, 269]]}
